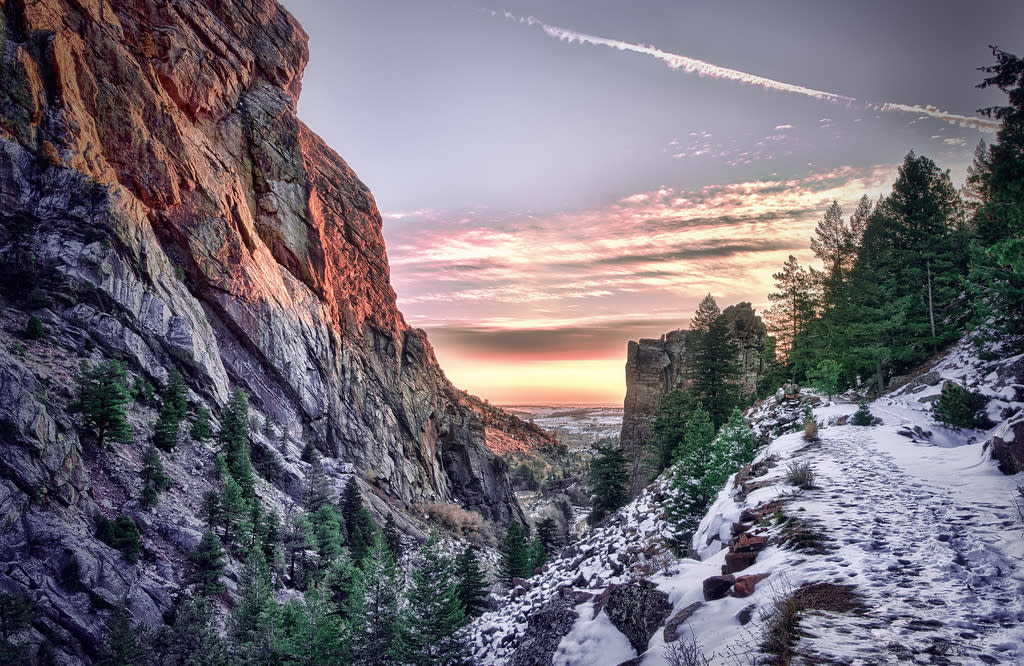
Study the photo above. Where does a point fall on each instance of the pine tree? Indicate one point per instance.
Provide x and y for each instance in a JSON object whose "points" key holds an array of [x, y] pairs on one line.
{"points": [[547, 532], [123, 645], [473, 587], [712, 362], [697, 435], [234, 512], [121, 534], [372, 608], [192, 637], [433, 612], [607, 481], [701, 467], [826, 376], [351, 504], [102, 396], [738, 439], [298, 537], [234, 437], [154, 480], [392, 538], [176, 396], [255, 623], [201, 427], [327, 532], [165, 431], [834, 244], [207, 566], [667, 429], [312, 633], [515, 555], [319, 490], [364, 532], [793, 306]]}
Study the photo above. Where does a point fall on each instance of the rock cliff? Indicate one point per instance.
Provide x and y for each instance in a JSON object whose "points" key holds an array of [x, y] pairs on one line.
{"points": [[161, 203], [656, 366]]}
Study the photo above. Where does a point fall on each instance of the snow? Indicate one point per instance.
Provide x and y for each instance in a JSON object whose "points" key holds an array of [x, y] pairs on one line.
{"points": [[915, 515]]}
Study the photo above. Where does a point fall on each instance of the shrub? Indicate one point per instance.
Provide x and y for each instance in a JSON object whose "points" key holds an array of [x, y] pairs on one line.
{"points": [[961, 408], [863, 416], [825, 377], [453, 518], [120, 533], [810, 430], [34, 328], [800, 475]]}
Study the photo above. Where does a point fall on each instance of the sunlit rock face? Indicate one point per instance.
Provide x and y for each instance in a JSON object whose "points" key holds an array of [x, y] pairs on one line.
{"points": [[656, 366], [156, 183]]}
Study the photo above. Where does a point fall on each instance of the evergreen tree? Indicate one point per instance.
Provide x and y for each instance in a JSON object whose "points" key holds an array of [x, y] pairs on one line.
{"points": [[122, 646], [312, 633], [102, 395], [121, 534], [698, 434], [738, 439], [712, 363], [15, 615], [154, 480], [547, 532], [201, 427], [255, 623], [515, 555], [327, 533], [433, 612], [834, 244], [351, 504], [34, 328], [268, 532], [863, 416], [538, 557], [667, 428], [165, 432], [234, 512], [176, 396], [392, 538], [826, 376], [191, 638], [319, 491], [206, 566], [363, 532], [298, 537], [234, 437], [473, 587], [794, 305], [372, 608], [607, 480]]}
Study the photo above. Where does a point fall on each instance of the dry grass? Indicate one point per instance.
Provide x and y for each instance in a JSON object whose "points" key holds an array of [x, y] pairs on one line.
{"points": [[801, 475], [810, 430], [460, 522], [782, 616]]}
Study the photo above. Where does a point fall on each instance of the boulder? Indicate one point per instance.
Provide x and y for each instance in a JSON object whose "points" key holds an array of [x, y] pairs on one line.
{"points": [[1007, 446], [738, 561], [717, 587], [544, 631], [744, 585], [637, 610], [671, 632]]}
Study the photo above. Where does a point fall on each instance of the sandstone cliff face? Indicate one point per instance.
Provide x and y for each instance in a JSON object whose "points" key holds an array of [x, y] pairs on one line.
{"points": [[156, 184], [655, 367]]}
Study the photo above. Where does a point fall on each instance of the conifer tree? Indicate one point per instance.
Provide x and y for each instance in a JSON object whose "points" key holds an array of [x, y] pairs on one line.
{"points": [[154, 479], [607, 480], [515, 555], [102, 396], [121, 534], [433, 612], [207, 566], [255, 624], [165, 431], [191, 638], [697, 435], [234, 437], [793, 305], [122, 646], [363, 532], [834, 244], [372, 608], [176, 395], [712, 363], [298, 537], [312, 632], [351, 503], [327, 532], [739, 439], [234, 512], [392, 538], [201, 427], [473, 587], [547, 532], [667, 428]]}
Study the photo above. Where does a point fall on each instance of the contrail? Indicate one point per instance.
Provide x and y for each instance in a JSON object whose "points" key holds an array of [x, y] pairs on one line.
{"points": [[703, 68]]}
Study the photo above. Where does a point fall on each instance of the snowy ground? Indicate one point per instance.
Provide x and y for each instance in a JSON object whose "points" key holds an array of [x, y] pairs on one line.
{"points": [[913, 514]]}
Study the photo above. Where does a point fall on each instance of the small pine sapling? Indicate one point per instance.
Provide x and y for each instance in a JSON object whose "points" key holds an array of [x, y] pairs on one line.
{"points": [[863, 415]]}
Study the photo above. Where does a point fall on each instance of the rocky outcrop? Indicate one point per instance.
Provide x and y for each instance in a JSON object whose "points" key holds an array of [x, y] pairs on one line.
{"points": [[637, 609], [656, 366], [161, 203], [1007, 446]]}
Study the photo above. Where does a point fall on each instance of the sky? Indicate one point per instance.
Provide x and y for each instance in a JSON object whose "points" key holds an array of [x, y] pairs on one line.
{"points": [[558, 177]]}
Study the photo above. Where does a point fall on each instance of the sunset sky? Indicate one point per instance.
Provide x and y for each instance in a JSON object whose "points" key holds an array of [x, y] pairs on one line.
{"points": [[559, 177]]}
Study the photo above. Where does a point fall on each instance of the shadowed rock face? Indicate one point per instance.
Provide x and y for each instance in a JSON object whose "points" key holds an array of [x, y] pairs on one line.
{"points": [[156, 183], [656, 366]]}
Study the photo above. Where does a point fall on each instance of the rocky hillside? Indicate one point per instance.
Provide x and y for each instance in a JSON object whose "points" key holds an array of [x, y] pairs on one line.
{"points": [[655, 367], [898, 541], [161, 204]]}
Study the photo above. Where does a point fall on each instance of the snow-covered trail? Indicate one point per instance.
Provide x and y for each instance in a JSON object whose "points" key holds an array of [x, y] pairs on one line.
{"points": [[924, 553]]}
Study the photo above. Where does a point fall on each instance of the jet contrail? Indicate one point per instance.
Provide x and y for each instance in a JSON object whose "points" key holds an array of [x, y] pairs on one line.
{"points": [[702, 68]]}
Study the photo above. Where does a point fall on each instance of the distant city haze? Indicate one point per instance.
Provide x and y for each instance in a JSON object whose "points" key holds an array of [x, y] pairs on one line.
{"points": [[557, 178]]}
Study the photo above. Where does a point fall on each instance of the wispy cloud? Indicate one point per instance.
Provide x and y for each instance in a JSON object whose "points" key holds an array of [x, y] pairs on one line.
{"points": [[704, 68]]}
